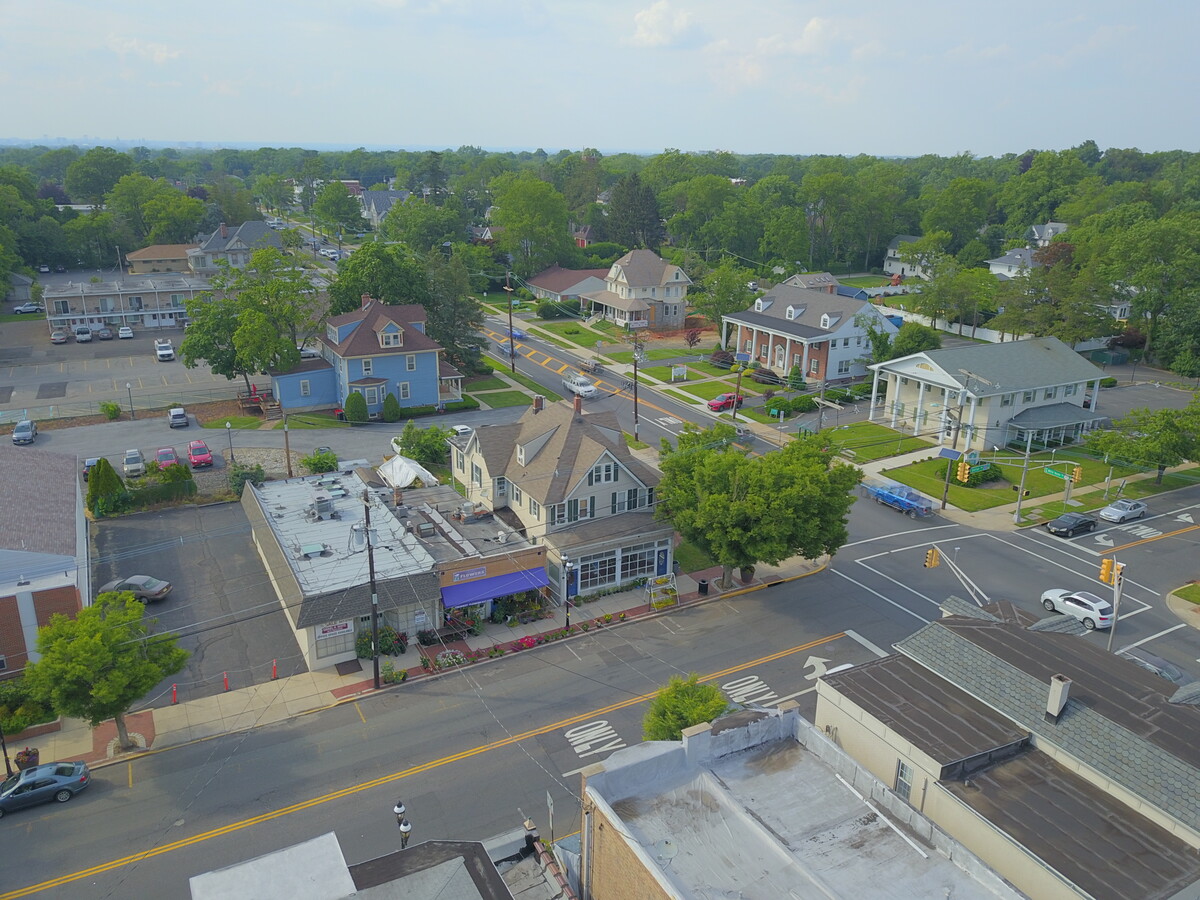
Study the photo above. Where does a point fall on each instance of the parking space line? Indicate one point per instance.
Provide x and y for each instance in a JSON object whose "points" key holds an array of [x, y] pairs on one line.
{"points": [[855, 636], [358, 709]]}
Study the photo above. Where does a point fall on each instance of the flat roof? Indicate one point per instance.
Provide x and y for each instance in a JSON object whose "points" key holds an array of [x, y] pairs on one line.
{"points": [[327, 553], [773, 822], [925, 709], [1078, 830], [163, 282]]}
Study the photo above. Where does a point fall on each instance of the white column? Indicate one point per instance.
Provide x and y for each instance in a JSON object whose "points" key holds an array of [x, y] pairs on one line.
{"points": [[971, 423], [787, 357], [874, 396], [894, 393], [804, 362], [1095, 394], [920, 405]]}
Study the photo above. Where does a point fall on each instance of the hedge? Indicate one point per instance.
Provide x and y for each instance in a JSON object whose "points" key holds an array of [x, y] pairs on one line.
{"points": [[162, 493]]}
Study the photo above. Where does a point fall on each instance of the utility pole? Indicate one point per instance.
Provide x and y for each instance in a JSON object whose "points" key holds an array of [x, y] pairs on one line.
{"points": [[287, 447], [374, 592], [512, 341], [637, 352], [962, 401], [1024, 472]]}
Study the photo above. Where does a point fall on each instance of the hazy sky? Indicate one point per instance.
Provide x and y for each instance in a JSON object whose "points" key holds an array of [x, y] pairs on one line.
{"points": [[770, 76]]}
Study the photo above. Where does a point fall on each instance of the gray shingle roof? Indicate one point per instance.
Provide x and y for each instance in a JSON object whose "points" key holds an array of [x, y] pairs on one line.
{"points": [[1011, 366], [1054, 416], [645, 268], [808, 307], [38, 493], [398, 593], [253, 234], [1118, 721]]}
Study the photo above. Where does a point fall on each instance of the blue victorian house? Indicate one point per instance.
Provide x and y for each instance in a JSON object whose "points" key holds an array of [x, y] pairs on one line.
{"points": [[373, 351]]}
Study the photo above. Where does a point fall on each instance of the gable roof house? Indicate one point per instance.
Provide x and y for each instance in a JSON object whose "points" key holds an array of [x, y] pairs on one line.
{"points": [[1018, 391], [1042, 235], [1070, 771], [810, 329], [1014, 263], [569, 481], [559, 284], [642, 290], [233, 245], [373, 351], [893, 265], [377, 204], [43, 548], [160, 258]]}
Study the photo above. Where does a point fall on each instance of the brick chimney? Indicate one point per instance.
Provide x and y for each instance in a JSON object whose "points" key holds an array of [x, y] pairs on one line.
{"points": [[1056, 702], [578, 402], [366, 301], [224, 230]]}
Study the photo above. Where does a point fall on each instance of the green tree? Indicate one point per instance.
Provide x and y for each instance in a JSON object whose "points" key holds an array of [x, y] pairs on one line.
{"points": [[96, 665], [533, 223], [129, 198], [232, 199], [455, 315], [273, 192], [291, 239], [425, 445], [95, 173], [742, 511], [320, 461], [684, 702], [355, 408], [723, 291], [391, 408], [960, 210], [173, 217], [106, 493], [913, 337], [1151, 437], [387, 272], [336, 207], [424, 225], [633, 217]]}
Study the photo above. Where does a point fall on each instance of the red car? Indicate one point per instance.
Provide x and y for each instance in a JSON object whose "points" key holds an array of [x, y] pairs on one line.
{"points": [[166, 457], [199, 455], [723, 402]]}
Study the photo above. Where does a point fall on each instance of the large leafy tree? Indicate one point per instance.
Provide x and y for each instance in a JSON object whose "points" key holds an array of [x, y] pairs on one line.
{"points": [[684, 702], [425, 445], [913, 337], [424, 225], [95, 173], [1155, 438], [272, 191], [722, 291], [336, 207], [533, 222], [98, 664], [633, 217], [742, 511], [387, 272], [454, 315]]}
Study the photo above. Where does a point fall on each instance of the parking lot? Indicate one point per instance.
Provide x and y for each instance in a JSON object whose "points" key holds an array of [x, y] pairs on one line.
{"points": [[222, 603]]}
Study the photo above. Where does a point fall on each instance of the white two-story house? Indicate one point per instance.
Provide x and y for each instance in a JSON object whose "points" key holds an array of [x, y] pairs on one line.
{"points": [[643, 290], [568, 481]]}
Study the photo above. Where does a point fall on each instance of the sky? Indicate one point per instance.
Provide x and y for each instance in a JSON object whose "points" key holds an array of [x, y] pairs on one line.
{"points": [[757, 76]]}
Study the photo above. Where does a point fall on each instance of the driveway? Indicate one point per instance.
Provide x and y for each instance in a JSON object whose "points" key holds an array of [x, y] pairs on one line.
{"points": [[222, 604]]}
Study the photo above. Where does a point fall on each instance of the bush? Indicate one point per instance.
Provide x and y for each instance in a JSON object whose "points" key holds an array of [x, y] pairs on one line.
{"points": [[837, 396], [163, 492], [106, 493], [549, 309], [991, 473], [391, 408], [1108, 382], [17, 709], [176, 473], [355, 409], [722, 359], [320, 461], [239, 475], [860, 390], [112, 411]]}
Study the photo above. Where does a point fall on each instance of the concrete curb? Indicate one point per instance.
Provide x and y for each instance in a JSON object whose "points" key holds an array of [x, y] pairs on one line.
{"points": [[1188, 612]]}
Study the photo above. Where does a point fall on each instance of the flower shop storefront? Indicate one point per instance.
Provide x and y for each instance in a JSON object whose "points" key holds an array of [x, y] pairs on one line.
{"points": [[485, 587]]}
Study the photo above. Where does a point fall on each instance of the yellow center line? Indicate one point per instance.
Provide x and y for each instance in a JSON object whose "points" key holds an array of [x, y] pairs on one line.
{"points": [[1150, 539], [388, 779]]}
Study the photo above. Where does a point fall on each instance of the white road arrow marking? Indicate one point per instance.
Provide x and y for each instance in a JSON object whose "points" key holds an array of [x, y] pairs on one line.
{"points": [[1104, 540], [1185, 518], [818, 667]]}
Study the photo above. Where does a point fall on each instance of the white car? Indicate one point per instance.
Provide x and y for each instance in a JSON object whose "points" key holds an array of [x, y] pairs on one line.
{"points": [[578, 384], [309, 352], [1093, 611], [1123, 511], [461, 430], [124, 332]]}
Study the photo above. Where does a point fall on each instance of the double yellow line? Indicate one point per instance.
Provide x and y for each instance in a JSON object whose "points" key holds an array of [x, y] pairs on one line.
{"points": [[388, 779]]}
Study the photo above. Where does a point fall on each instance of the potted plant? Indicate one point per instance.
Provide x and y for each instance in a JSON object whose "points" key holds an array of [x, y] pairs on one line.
{"points": [[27, 758]]}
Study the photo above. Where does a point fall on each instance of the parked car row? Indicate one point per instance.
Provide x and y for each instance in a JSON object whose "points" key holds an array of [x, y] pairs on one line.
{"points": [[1070, 524], [84, 334]]}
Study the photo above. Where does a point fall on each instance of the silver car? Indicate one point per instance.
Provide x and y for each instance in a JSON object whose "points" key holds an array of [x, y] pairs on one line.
{"points": [[1123, 511], [59, 781], [134, 464], [25, 432]]}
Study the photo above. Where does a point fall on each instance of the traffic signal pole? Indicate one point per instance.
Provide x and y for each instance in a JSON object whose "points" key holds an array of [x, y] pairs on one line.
{"points": [[1116, 572]]}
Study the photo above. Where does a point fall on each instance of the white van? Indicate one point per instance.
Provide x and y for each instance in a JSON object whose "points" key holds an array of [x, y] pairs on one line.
{"points": [[578, 384]]}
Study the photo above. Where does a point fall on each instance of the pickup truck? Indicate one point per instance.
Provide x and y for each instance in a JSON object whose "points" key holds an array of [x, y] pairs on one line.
{"points": [[164, 349]]}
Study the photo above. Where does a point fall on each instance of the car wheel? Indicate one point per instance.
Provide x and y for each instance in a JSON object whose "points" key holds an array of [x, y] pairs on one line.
{"points": [[1049, 604], [1091, 526], [1089, 624], [912, 513], [63, 796]]}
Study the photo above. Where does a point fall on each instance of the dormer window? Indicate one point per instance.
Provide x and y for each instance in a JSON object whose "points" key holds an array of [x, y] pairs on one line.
{"points": [[520, 455], [758, 305], [791, 313], [331, 334], [391, 339], [825, 321]]}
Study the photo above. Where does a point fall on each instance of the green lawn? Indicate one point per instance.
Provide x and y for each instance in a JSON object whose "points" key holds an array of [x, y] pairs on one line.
{"points": [[506, 398], [522, 380], [663, 373], [1191, 593], [869, 441], [572, 331], [241, 423], [312, 420], [682, 398], [634, 445], [691, 558], [706, 390], [626, 356], [923, 477], [865, 281], [485, 383]]}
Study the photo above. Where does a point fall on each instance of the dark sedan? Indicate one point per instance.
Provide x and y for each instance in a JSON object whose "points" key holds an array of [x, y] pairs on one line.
{"points": [[59, 781], [1071, 524], [145, 587]]}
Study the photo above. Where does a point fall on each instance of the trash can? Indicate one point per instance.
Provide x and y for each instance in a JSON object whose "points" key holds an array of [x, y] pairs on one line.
{"points": [[702, 584], [676, 567]]}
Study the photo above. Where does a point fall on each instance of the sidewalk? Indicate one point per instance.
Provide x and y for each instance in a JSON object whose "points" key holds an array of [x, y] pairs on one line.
{"points": [[161, 728]]}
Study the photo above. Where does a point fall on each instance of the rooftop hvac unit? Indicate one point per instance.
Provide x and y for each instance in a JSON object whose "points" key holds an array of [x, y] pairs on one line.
{"points": [[323, 504], [466, 508], [426, 529], [501, 537]]}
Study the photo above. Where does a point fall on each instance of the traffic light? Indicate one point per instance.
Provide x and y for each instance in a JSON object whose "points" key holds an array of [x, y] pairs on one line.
{"points": [[1106, 571], [964, 471], [1077, 474], [932, 560]]}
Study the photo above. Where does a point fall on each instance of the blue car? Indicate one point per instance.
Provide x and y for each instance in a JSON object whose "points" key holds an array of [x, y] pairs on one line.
{"points": [[59, 781], [517, 333]]}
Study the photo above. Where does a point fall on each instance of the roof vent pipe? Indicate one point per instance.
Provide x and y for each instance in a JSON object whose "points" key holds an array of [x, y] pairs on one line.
{"points": [[1056, 702]]}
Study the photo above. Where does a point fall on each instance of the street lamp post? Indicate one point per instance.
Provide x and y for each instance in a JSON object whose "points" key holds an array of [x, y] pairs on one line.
{"points": [[129, 389], [4, 750], [366, 499], [567, 567], [512, 341], [229, 433]]}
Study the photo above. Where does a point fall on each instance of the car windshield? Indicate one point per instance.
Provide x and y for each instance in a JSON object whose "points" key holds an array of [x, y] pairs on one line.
{"points": [[10, 783], [148, 584], [133, 457]]}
